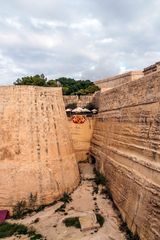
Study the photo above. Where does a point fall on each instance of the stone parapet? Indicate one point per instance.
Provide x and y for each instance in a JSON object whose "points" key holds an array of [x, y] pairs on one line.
{"points": [[115, 81]]}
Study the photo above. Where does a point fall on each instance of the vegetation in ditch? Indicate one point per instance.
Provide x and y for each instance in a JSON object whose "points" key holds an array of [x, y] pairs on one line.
{"points": [[99, 178], [66, 198], [100, 219], [72, 222], [8, 229], [95, 190], [128, 234], [20, 209], [61, 208], [43, 206], [23, 207]]}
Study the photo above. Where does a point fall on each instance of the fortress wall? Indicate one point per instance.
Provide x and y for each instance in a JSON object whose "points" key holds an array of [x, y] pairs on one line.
{"points": [[126, 145], [112, 82], [81, 136], [36, 151], [81, 101]]}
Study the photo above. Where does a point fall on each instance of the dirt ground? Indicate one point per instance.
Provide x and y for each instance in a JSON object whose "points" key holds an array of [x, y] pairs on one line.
{"points": [[84, 202]]}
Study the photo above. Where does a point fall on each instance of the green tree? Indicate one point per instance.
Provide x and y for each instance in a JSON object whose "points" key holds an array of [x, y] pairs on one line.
{"points": [[36, 80], [51, 83], [66, 90], [92, 88], [69, 85]]}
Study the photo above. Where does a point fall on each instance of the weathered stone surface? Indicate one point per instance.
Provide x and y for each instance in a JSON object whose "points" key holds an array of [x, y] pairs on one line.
{"points": [[36, 151], [81, 135], [86, 171], [88, 222], [81, 101], [112, 82], [126, 144]]}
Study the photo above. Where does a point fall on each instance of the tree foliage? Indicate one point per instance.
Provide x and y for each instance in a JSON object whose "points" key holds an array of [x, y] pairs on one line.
{"points": [[69, 85], [37, 80]]}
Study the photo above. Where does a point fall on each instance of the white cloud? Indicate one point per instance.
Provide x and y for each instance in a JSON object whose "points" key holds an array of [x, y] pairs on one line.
{"points": [[87, 24], [14, 22], [42, 23], [83, 38], [43, 41], [106, 40], [9, 39], [8, 69]]}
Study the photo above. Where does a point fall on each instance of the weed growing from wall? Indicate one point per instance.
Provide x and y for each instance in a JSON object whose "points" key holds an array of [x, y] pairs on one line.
{"points": [[66, 198], [20, 209], [100, 178], [23, 207]]}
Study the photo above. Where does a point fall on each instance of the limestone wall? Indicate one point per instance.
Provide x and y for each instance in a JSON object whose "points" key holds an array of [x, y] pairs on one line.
{"points": [[81, 101], [36, 151], [152, 69], [126, 144], [81, 135], [115, 81]]}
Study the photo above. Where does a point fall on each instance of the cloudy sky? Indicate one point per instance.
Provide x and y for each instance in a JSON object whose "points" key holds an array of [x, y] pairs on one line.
{"points": [[84, 39]]}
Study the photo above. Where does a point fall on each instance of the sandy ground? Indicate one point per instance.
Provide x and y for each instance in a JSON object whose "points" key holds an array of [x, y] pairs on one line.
{"points": [[51, 225]]}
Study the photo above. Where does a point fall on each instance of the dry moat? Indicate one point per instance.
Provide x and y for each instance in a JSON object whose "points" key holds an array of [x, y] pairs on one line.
{"points": [[40, 150], [87, 200]]}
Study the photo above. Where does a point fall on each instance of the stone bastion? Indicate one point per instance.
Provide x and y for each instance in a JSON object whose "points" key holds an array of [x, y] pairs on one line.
{"points": [[36, 151]]}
